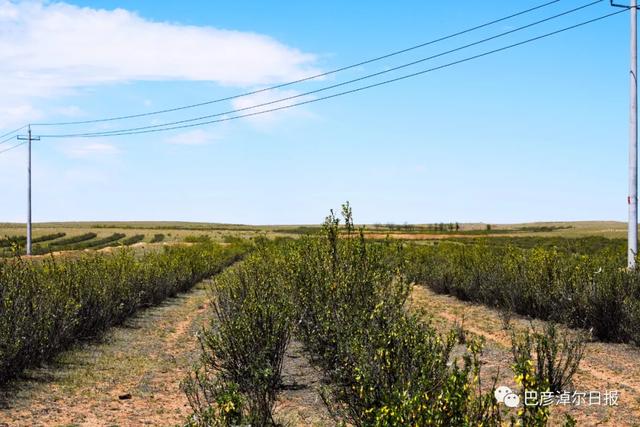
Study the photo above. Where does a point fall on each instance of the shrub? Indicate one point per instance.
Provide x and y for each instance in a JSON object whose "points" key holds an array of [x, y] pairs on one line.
{"points": [[245, 344], [48, 304], [387, 366], [157, 238], [132, 240], [346, 297], [74, 239], [557, 355], [544, 361], [214, 402], [586, 291]]}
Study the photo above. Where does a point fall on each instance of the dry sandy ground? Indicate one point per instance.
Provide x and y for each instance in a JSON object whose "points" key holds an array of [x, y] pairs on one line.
{"points": [[604, 366]]}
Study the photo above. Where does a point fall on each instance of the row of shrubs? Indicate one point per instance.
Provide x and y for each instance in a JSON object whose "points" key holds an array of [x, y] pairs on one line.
{"points": [[585, 291], [578, 245], [157, 238], [387, 366], [8, 241], [133, 239], [74, 239], [48, 304], [345, 299], [79, 242]]}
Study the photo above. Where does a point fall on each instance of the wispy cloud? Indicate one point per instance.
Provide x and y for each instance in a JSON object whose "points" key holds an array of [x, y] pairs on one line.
{"points": [[85, 148], [16, 112], [70, 111]]}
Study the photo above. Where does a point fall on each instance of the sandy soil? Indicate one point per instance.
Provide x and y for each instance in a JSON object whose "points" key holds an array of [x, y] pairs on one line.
{"points": [[300, 402]]}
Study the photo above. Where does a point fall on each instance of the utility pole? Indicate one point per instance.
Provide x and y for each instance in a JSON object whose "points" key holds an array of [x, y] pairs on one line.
{"points": [[632, 232], [632, 199], [29, 138]]}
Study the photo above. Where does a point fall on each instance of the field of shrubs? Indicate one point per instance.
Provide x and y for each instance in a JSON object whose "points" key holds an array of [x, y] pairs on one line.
{"points": [[345, 299], [48, 304], [591, 291]]}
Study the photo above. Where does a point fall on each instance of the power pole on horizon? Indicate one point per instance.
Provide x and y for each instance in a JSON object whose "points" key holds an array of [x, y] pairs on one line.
{"points": [[29, 138]]}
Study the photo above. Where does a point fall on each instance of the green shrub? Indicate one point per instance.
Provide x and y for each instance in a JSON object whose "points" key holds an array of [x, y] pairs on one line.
{"points": [[132, 239], [345, 299], [557, 355], [544, 362], [213, 401], [245, 344], [586, 291], [157, 238], [6, 242], [46, 305], [74, 239], [386, 366]]}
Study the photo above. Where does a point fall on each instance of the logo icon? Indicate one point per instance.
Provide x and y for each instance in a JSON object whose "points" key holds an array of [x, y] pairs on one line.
{"points": [[504, 394]]}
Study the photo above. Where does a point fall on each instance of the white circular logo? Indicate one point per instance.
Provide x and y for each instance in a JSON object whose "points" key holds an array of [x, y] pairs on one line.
{"points": [[512, 400], [501, 392]]}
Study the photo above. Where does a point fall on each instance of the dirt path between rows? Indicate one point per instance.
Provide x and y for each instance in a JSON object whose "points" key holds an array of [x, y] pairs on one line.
{"points": [[300, 402], [604, 366], [146, 357]]}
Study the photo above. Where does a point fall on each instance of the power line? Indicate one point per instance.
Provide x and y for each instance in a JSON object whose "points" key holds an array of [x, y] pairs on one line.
{"points": [[11, 148], [359, 89], [8, 139], [12, 132], [368, 76], [316, 76]]}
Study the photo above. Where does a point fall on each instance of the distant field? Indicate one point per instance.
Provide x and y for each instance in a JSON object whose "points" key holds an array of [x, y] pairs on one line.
{"points": [[170, 231], [177, 229], [65, 236]]}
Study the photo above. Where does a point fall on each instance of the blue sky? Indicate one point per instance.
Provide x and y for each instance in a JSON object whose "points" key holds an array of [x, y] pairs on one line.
{"points": [[534, 133]]}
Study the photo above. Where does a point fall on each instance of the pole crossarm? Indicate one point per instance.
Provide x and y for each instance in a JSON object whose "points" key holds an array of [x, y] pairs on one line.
{"points": [[27, 138], [625, 6]]}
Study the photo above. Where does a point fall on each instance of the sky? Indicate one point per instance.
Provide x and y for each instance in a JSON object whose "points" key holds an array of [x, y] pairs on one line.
{"points": [[534, 133]]}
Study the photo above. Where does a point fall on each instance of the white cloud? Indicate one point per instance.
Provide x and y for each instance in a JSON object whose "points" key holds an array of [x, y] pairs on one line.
{"points": [[53, 49], [85, 148], [192, 137], [15, 112], [70, 111], [47, 47]]}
